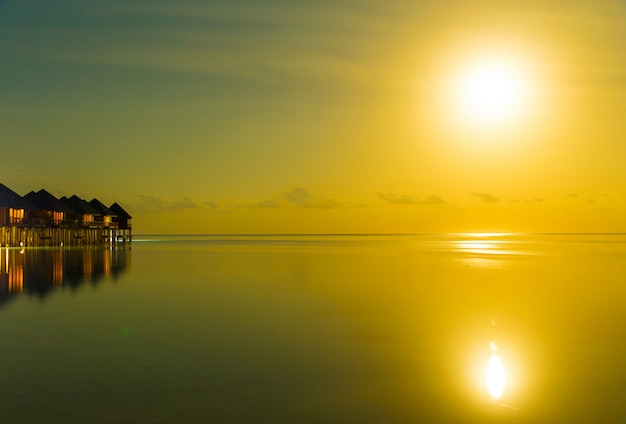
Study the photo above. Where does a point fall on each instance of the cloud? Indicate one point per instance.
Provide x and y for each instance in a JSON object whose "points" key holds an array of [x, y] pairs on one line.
{"points": [[398, 200], [186, 203], [296, 197], [152, 203], [302, 198], [411, 200], [586, 198], [270, 45], [261, 204], [433, 200], [486, 197], [211, 204], [534, 199], [268, 204]]}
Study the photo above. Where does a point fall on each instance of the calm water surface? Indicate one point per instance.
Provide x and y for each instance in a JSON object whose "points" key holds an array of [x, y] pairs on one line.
{"points": [[317, 329]]}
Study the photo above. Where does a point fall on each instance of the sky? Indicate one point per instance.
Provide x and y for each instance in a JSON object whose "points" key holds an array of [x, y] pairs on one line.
{"points": [[343, 116]]}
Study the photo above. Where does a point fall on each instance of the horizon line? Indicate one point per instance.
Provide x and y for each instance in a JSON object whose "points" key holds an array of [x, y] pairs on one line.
{"points": [[477, 233]]}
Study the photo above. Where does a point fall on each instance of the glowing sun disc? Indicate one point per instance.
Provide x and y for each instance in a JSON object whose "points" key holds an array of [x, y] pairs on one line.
{"points": [[490, 92]]}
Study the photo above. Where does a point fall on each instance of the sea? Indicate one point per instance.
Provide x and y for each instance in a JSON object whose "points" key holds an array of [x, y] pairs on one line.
{"points": [[431, 328]]}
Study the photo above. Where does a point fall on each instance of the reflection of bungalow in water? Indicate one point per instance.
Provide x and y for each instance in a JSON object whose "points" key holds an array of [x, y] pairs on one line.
{"points": [[40, 219], [40, 271]]}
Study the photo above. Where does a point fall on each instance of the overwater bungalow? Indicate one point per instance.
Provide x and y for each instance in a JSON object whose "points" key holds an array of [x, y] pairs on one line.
{"points": [[123, 221], [122, 217], [104, 214], [40, 219], [49, 211], [13, 207], [83, 213]]}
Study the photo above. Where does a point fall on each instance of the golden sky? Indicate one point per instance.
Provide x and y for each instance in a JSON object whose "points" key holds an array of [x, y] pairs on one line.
{"points": [[321, 117]]}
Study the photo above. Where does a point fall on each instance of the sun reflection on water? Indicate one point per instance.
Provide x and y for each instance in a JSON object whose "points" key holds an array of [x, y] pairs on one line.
{"points": [[483, 247], [495, 377]]}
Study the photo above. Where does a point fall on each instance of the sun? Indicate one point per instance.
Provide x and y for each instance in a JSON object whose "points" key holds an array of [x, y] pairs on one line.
{"points": [[484, 100], [490, 93]]}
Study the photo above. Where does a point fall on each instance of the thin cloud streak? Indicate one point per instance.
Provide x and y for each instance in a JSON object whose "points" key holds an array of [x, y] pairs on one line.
{"points": [[270, 45], [152, 204], [302, 198], [294, 198], [486, 197], [411, 200]]}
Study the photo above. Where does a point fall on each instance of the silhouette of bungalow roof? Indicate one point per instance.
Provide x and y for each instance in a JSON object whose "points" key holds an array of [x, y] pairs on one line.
{"points": [[10, 199], [101, 208], [45, 201], [79, 205], [119, 211]]}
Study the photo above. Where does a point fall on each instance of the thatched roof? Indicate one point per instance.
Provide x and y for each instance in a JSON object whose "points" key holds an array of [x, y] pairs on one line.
{"points": [[10, 199], [101, 208], [44, 201], [119, 211], [79, 205]]}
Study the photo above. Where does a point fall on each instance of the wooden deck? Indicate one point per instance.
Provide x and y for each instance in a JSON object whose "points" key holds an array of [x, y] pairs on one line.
{"points": [[20, 236]]}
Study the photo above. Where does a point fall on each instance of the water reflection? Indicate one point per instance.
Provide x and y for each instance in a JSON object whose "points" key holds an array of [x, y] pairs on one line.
{"points": [[495, 377], [484, 247], [331, 331], [39, 271]]}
